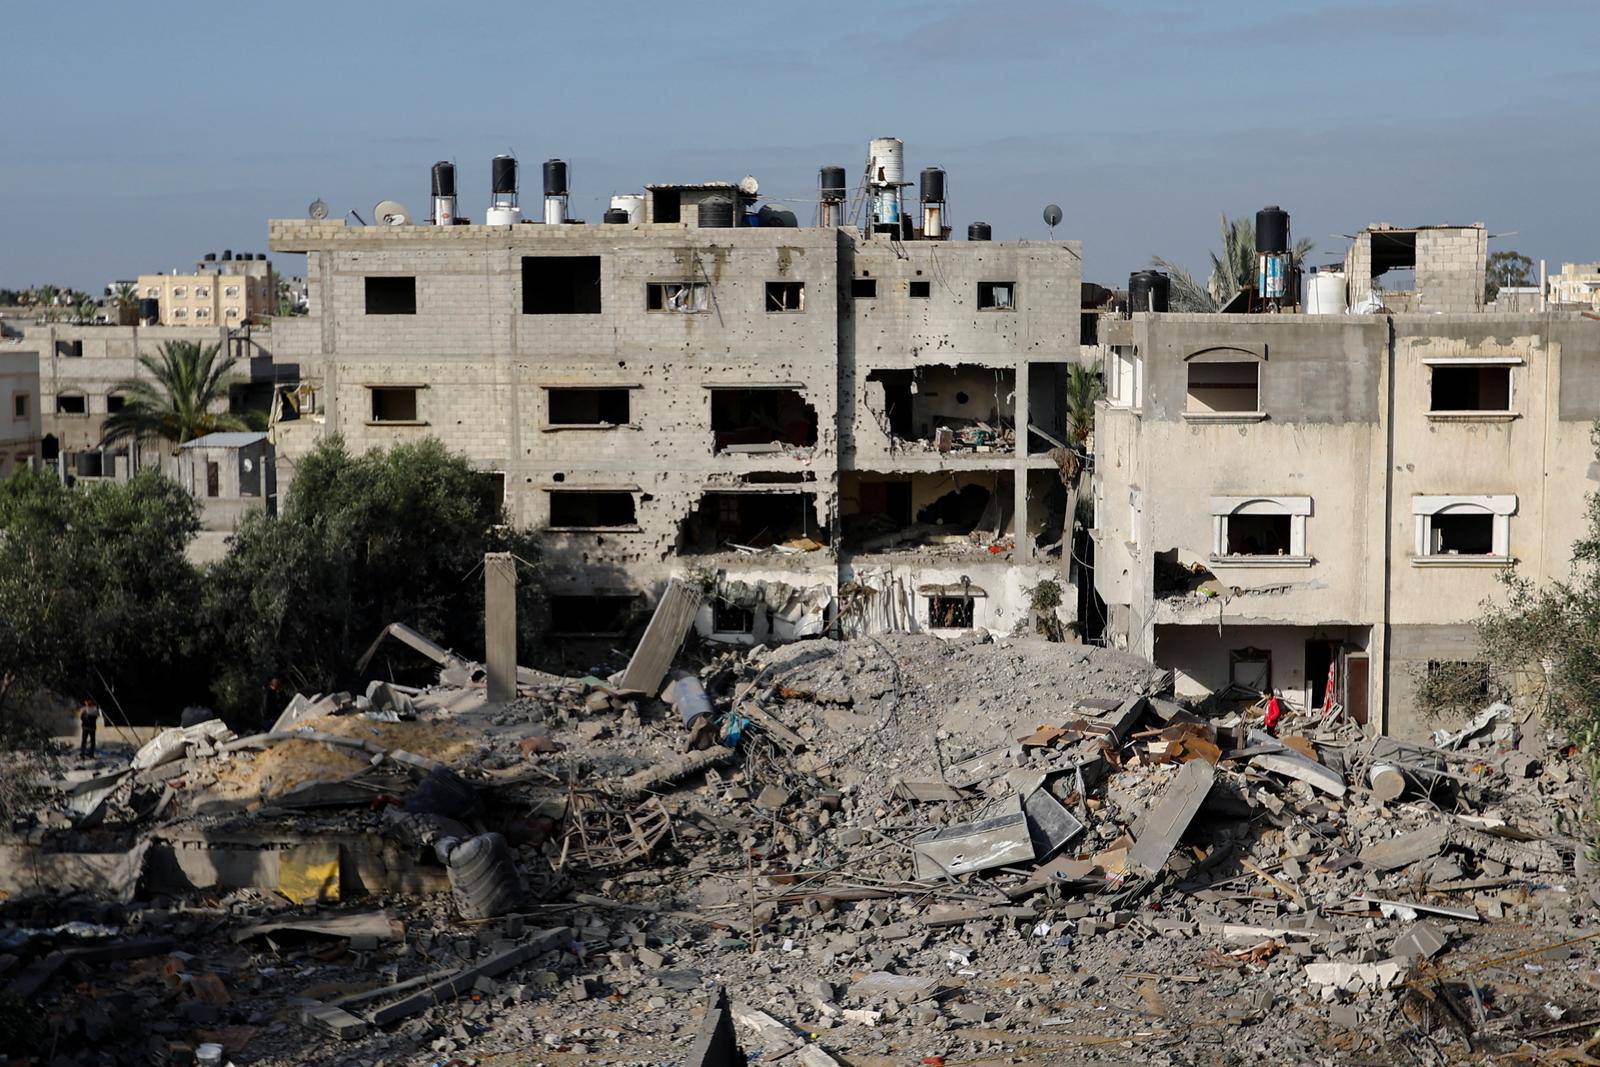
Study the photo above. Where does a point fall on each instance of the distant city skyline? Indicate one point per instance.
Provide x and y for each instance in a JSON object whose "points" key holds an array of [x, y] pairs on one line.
{"points": [[137, 142]]}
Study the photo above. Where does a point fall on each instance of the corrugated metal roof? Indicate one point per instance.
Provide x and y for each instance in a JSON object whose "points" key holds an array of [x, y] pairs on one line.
{"points": [[232, 439]]}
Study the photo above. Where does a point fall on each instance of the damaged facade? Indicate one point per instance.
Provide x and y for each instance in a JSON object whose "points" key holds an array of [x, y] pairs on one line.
{"points": [[1299, 502], [810, 421]]}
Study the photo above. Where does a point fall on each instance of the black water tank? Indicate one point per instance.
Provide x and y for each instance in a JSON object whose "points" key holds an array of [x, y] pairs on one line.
{"points": [[978, 231], [776, 216], [1148, 290], [555, 177], [1272, 229], [503, 174], [614, 216], [444, 178], [932, 185], [211, 257], [149, 309], [227, 255], [716, 213], [832, 182]]}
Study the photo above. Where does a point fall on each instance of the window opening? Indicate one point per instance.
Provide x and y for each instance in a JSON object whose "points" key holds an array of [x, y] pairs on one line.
{"points": [[394, 405], [560, 285], [786, 296], [391, 296], [997, 296], [1223, 387], [951, 612], [1471, 388], [579, 509]]}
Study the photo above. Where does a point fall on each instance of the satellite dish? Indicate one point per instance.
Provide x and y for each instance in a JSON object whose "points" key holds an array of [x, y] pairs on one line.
{"points": [[318, 210], [391, 213], [1052, 215], [749, 186]]}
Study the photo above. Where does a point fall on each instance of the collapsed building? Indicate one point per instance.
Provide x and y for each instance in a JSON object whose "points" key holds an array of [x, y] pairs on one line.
{"points": [[1319, 503], [853, 423]]}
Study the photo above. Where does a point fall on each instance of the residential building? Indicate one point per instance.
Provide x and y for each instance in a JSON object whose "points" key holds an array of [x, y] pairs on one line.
{"points": [[1437, 269], [231, 474], [226, 292], [19, 410], [1290, 501], [1577, 286], [813, 422]]}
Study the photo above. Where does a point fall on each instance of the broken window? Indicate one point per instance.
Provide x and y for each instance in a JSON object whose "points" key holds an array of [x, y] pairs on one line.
{"points": [[1453, 527], [686, 298], [588, 406], [786, 296], [752, 520], [394, 403], [863, 288], [947, 408], [919, 290], [1258, 535], [1474, 387], [115, 402], [761, 420], [391, 296], [561, 285], [1250, 668], [997, 296], [1260, 527], [72, 404], [606, 615], [1225, 387], [579, 509], [951, 612], [69, 349], [730, 618]]}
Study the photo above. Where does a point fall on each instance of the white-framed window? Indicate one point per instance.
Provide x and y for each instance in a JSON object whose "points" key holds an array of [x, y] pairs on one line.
{"points": [[233, 313], [1260, 531], [1124, 377], [230, 290], [202, 313], [1471, 388], [180, 291], [180, 313], [1463, 530], [202, 291], [152, 292], [1224, 385], [682, 297]]}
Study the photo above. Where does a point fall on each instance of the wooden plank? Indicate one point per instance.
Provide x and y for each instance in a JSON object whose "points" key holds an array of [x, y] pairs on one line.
{"points": [[662, 638], [448, 988]]}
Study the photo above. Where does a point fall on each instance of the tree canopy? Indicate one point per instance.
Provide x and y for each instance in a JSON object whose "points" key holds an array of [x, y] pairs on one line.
{"points": [[186, 381]]}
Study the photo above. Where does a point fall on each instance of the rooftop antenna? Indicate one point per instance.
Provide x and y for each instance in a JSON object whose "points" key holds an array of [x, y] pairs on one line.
{"points": [[358, 218], [318, 210], [1052, 218], [391, 213]]}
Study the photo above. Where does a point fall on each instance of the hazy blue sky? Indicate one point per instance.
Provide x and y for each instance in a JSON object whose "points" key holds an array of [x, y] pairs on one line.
{"points": [[138, 136]]}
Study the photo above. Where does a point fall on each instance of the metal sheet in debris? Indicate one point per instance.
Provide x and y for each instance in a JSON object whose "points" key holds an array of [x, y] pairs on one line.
{"points": [[996, 841], [1049, 824]]}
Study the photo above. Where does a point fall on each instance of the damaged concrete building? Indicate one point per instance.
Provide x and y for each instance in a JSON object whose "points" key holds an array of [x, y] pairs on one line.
{"points": [[815, 423], [1318, 504]]}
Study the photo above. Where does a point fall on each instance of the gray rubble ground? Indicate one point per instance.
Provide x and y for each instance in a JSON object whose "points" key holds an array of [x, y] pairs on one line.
{"points": [[787, 878]]}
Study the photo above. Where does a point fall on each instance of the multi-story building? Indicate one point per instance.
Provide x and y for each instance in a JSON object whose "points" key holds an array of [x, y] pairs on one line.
{"points": [[227, 292], [1285, 500], [812, 421], [1577, 286], [19, 411]]}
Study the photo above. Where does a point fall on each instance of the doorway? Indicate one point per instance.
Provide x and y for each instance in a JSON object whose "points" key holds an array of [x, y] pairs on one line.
{"points": [[1321, 656]]}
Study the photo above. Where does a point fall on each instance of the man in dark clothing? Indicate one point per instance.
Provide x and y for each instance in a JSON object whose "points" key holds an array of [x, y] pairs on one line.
{"points": [[273, 701], [89, 720]]}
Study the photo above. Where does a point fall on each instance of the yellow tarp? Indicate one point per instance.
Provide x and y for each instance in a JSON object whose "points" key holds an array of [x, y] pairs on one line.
{"points": [[308, 873]]}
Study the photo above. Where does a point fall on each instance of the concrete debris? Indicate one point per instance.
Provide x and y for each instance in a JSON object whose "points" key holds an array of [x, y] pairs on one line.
{"points": [[896, 848]]}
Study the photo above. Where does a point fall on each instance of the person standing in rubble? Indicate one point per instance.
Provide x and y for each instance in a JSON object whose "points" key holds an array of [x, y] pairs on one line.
{"points": [[273, 701], [89, 723], [1274, 712]]}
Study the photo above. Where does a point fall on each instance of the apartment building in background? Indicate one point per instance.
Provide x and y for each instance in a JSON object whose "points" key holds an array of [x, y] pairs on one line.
{"points": [[1320, 503], [19, 411], [228, 292], [814, 422]]}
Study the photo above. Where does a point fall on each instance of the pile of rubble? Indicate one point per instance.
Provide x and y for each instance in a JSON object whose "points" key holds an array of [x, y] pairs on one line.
{"points": [[877, 851]]}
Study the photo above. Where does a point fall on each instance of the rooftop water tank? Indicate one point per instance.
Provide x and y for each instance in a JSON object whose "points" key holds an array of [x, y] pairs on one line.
{"points": [[932, 185], [831, 181], [978, 231], [444, 178], [888, 159], [1149, 290], [555, 177], [503, 174], [632, 203], [776, 216], [716, 213], [1323, 292], [1272, 229], [615, 216]]}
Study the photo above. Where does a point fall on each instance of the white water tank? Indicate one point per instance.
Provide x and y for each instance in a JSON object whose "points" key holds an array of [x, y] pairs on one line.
{"points": [[888, 156], [1323, 292], [502, 215], [632, 203]]}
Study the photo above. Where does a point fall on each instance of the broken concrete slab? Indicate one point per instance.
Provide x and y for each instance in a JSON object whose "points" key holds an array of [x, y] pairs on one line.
{"points": [[1421, 942], [1402, 850], [997, 841], [1156, 834], [537, 944], [716, 1044], [382, 925], [663, 636], [1355, 976], [1050, 825], [1292, 764]]}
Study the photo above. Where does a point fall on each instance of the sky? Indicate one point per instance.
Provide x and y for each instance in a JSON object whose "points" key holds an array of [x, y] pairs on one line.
{"points": [[137, 138]]}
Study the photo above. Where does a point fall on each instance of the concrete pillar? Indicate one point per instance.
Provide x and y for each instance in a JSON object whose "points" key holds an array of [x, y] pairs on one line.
{"points": [[1019, 507], [500, 625]]}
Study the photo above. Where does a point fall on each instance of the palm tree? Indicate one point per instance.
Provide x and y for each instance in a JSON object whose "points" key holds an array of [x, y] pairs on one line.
{"points": [[186, 380], [45, 297], [1083, 389], [125, 298], [1231, 271], [87, 310]]}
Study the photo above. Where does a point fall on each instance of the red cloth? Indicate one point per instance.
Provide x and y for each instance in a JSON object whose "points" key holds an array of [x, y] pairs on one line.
{"points": [[1274, 713]]}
